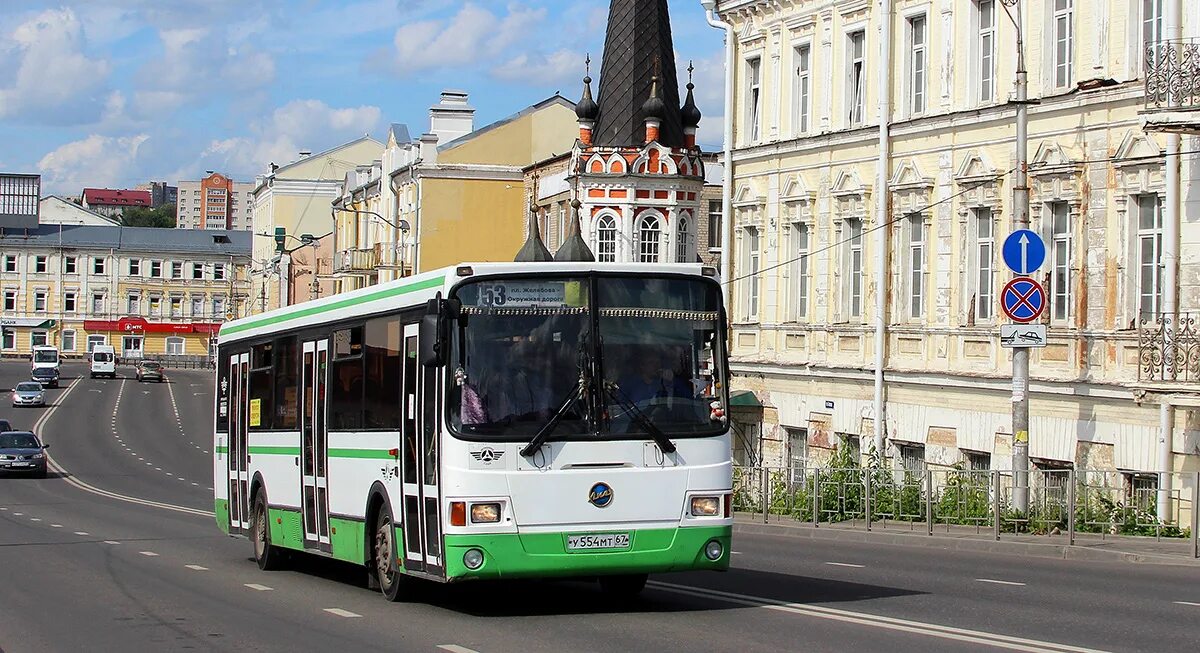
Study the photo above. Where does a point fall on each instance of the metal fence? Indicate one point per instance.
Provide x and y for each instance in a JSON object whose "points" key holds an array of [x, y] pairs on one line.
{"points": [[1061, 502], [1169, 348], [178, 361], [1173, 74]]}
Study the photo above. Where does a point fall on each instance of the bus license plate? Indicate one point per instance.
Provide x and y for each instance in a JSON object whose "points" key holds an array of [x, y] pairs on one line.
{"points": [[599, 541]]}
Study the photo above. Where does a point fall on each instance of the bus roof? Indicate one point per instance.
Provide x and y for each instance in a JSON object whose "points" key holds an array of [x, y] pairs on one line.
{"points": [[415, 291]]}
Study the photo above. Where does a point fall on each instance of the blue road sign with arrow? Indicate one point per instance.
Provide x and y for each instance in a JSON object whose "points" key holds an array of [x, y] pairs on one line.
{"points": [[1023, 251]]}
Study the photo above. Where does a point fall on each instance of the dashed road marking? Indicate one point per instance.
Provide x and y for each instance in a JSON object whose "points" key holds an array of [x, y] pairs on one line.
{"points": [[149, 554], [18, 514], [845, 564], [111, 542], [55, 525], [998, 582], [342, 613], [260, 588], [82, 533], [455, 648], [196, 567], [1188, 603], [35, 519]]}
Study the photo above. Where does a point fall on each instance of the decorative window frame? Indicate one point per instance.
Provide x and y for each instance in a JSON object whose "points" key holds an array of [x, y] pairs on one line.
{"points": [[799, 204], [1137, 174], [981, 188], [850, 202], [1055, 176]]}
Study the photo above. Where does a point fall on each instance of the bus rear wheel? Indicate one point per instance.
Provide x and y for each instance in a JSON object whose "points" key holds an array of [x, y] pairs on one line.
{"points": [[268, 556], [625, 586], [387, 575]]}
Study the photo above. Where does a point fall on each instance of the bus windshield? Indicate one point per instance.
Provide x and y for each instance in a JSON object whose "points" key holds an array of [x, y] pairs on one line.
{"points": [[604, 356], [45, 356]]}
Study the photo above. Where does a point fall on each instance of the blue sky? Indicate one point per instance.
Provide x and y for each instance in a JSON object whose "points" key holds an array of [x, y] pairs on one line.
{"points": [[118, 92]]}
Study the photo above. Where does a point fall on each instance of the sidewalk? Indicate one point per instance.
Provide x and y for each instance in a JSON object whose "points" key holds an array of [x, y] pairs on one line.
{"points": [[1088, 546]]}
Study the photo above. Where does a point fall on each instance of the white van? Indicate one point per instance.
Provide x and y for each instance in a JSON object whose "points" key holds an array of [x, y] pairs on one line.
{"points": [[104, 361]]}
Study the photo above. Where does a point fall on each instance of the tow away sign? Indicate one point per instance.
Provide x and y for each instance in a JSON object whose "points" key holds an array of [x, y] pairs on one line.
{"points": [[1016, 336]]}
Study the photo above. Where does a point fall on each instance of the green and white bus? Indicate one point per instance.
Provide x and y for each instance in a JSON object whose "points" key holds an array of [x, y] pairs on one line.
{"points": [[490, 420]]}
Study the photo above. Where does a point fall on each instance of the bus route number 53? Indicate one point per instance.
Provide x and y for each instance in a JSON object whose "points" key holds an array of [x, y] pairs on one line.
{"points": [[493, 295]]}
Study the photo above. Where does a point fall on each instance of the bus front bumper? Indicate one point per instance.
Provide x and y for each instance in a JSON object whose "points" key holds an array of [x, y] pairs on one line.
{"points": [[545, 555]]}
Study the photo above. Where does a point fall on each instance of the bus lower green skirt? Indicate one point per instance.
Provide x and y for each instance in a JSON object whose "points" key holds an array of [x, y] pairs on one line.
{"points": [[545, 555]]}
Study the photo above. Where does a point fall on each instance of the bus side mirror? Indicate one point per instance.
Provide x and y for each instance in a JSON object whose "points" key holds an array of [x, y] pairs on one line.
{"points": [[434, 333]]}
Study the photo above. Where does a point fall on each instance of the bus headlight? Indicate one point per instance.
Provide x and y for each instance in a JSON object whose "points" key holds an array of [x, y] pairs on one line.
{"points": [[706, 506], [485, 513], [473, 559], [713, 550]]}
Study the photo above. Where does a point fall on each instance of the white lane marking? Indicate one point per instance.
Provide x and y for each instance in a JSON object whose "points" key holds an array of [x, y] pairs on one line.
{"points": [[149, 554], [877, 621], [455, 648], [260, 588], [4, 509], [342, 613], [55, 525], [736, 553], [111, 542], [18, 514], [845, 564], [998, 582], [82, 533], [35, 519], [196, 567], [1187, 603]]}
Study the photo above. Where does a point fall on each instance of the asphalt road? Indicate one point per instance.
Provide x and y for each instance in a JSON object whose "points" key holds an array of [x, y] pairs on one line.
{"points": [[118, 553]]}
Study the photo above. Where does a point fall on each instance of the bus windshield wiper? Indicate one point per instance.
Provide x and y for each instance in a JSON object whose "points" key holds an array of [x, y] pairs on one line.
{"points": [[578, 393], [640, 418]]}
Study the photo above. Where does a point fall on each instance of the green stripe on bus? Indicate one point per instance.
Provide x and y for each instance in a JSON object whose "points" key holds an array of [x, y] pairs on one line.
{"points": [[315, 310], [222, 449], [361, 453], [275, 451]]}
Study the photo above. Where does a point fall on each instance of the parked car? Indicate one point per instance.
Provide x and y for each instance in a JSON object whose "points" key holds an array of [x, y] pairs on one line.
{"points": [[47, 376], [22, 452], [150, 371], [28, 393]]}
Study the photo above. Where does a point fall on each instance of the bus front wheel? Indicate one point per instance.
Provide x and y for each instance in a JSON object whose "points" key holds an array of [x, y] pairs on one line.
{"points": [[268, 556], [387, 575]]}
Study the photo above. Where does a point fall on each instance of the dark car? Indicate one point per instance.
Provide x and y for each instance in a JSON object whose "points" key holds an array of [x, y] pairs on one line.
{"points": [[22, 453], [47, 376], [150, 371], [5, 425]]}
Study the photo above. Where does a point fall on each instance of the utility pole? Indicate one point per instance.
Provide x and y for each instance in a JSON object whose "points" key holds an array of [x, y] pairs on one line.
{"points": [[1020, 383]]}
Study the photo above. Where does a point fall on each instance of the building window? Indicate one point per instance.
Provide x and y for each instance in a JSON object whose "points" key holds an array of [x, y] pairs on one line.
{"points": [[912, 458], [134, 304], [40, 263], [10, 339], [218, 307], [69, 265], [135, 267], [197, 306], [916, 266], [39, 301], [978, 462], [176, 270], [682, 234], [987, 49], [1149, 235], [156, 269], [1152, 27], [10, 263], [714, 224], [39, 339], [218, 271], [856, 86], [70, 302], [799, 270], [68, 340], [797, 453], [853, 445], [916, 64], [1060, 255], [98, 265], [985, 252], [752, 255], [197, 270], [10, 300], [92, 341], [175, 346], [606, 239], [176, 307], [753, 98], [1062, 54], [155, 306], [98, 304], [803, 88], [649, 234], [854, 266]]}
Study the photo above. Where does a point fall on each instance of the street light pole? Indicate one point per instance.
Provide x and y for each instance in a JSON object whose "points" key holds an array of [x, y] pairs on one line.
{"points": [[1020, 383]]}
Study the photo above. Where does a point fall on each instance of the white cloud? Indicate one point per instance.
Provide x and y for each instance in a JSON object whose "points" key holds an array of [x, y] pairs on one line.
{"points": [[300, 124], [93, 161], [52, 79], [557, 68], [471, 36]]}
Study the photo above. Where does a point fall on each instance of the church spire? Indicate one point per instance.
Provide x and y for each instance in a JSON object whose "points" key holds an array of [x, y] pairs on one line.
{"points": [[639, 34], [534, 250], [690, 113], [587, 109]]}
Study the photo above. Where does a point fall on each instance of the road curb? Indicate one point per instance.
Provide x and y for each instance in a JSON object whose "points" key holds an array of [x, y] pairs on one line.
{"points": [[1030, 549]]}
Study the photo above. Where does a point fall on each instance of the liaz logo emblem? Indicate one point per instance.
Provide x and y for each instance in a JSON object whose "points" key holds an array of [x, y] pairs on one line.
{"points": [[601, 495], [487, 455]]}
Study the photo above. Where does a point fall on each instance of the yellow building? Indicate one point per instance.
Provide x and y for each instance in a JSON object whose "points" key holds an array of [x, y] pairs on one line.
{"points": [[295, 198], [455, 194], [146, 292], [857, 243]]}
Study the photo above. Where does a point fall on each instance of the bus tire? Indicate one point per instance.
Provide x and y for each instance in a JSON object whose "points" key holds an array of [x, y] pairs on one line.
{"points": [[383, 556], [268, 556], [625, 586]]}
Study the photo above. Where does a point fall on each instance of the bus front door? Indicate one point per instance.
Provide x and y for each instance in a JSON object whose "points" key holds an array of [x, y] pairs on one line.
{"points": [[239, 455], [419, 466], [313, 468]]}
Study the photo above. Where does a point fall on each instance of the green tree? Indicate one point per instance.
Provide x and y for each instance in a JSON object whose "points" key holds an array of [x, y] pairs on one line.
{"points": [[139, 216]]}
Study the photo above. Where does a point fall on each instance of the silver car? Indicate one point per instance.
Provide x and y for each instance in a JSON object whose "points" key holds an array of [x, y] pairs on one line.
{"points": [[28, 393]]}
